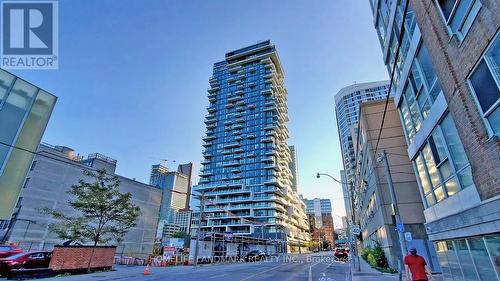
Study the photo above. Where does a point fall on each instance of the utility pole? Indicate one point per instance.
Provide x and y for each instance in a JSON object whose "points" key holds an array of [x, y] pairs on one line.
{"points": [[395, 210], [351, 236], [198, 235]]}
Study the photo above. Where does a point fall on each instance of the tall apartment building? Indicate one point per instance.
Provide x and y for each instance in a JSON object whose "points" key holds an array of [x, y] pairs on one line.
{"points": [[24, 113], [347, 102], [53, 171], [246, 158], [446, 89], [176, 188], [372, 200]]}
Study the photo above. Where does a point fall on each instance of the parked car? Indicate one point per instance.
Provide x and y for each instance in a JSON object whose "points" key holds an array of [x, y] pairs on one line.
{"points": [[9, 250], [255, 255], [341, 253], [24, 261]]}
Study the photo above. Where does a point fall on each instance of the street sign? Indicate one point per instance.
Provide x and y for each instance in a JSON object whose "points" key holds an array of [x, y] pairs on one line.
{"points": [[408, 236], [355, 230], [168, 252], [400, 227], [228, 236]]}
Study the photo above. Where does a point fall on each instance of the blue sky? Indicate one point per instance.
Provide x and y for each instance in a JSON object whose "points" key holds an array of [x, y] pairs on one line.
{"points": [[133, 75]]}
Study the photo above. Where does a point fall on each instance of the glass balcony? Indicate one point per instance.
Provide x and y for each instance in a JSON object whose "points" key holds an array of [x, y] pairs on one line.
{"points": [[267, 139], [232, 145], [213, 89], [267, 159], [206, 174], [235, 98], [210, 120], [209, 138], [231, 163]]}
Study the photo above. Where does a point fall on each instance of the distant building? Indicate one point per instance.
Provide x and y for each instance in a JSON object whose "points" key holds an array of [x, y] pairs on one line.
{"points": [[319, 212], [187, 170], [344, 222], [169, 229], [53, 171], [24, 113], [318, 207], [175, 186], [183, 220], [347, 102], [327, 228]]}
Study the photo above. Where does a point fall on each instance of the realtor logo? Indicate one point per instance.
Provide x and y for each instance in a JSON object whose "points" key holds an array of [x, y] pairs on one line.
{"points": [[29, 32]]}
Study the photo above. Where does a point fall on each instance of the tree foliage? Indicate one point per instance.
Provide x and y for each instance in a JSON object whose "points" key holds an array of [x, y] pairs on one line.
{"points": [[103, 214], [375, 256], [179, 234]]}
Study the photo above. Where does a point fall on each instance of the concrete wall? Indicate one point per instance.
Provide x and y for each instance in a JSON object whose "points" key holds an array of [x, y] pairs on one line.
{"points": [[48, 183], [379, 224]]}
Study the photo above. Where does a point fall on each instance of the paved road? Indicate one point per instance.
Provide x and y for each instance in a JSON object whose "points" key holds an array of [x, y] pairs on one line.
{"points": [[311, 267]]}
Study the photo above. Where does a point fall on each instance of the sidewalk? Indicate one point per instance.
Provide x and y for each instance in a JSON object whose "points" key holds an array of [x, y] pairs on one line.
{"points": [[367, 273]]}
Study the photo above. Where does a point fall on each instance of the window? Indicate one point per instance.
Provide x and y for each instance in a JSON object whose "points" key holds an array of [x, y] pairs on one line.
{"points": [[422, 88], [459, 15], [441, 164], [6, 80], [484, 82]]}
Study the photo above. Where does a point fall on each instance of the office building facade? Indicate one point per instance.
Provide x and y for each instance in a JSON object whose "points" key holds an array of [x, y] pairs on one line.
{"points": [[446, 89], [183, 220], [24, 113], [53, 171], [246, 158], [187, 170]]}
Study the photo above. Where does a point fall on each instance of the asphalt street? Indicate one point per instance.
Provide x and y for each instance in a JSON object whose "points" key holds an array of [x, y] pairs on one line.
{"points": [[307, 267]]}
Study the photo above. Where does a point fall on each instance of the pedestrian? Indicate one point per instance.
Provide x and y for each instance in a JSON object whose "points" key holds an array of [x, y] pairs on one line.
{"points": [[417, 266]]}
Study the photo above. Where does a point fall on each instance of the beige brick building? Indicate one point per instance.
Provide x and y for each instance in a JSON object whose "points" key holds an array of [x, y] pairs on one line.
{"points": [[373, 201]]}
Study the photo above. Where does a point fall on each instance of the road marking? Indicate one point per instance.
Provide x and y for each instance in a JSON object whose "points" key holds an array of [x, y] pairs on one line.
{"points": [[258, 273], [310, 271], [215, 276]]}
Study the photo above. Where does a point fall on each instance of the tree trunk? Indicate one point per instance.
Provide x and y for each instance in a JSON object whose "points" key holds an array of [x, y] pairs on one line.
{"points": [[91, 256]]}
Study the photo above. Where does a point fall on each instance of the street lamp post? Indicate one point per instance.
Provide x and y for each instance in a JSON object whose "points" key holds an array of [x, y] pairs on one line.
{"points": [[352, 245]]}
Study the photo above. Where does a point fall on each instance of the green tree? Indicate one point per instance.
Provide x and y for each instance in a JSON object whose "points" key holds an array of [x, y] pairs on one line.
{"points": [[179, 234], [103, 214]]}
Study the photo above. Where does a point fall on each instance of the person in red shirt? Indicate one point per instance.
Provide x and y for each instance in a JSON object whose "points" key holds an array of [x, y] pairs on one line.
{"points": [[417, 266]]}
